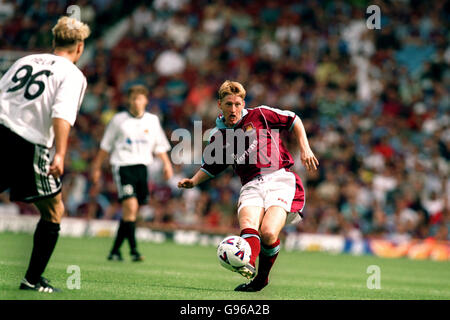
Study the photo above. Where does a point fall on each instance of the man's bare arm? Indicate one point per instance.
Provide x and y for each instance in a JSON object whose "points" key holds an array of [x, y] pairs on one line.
{"points": [[167, 170], [199, 177], [308, 158], [96, 168], [61, 128]]}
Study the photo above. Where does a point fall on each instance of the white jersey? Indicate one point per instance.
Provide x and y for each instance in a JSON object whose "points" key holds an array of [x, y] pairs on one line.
{"points": [[131, 140], [36, 89]]}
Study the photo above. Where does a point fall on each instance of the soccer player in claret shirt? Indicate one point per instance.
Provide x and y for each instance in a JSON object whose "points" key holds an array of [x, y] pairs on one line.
{"points": [[40, 96], [271, 195], [131, 139]]}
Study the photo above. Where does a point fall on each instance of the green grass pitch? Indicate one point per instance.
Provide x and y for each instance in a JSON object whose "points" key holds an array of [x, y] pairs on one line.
{"points": [[184, 272]]}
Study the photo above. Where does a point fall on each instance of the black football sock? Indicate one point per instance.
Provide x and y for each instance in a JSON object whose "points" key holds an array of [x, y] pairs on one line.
{"points": [[44, 242], [120, 237], [131, 235]]}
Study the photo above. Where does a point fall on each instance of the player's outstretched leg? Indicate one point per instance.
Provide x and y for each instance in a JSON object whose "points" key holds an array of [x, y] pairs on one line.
{"points": [[252, 237], [249, 220], [267, 258], [44, 242], [272, 223]]}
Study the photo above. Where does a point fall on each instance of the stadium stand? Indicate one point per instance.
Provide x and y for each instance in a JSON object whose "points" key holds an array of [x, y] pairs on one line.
{"points": [[375, 103]]}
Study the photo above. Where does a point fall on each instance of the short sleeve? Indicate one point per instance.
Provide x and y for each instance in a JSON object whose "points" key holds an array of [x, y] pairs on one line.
{"points": [[4, 80], [69, 97], [210, 165], [109, 136], [162, 144], [279, 119]]}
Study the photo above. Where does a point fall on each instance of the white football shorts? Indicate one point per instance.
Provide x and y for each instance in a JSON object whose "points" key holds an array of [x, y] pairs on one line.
{"points": [[279, 188]]}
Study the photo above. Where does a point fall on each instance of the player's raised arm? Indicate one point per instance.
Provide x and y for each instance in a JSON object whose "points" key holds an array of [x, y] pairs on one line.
{"points": [[308, 158]]}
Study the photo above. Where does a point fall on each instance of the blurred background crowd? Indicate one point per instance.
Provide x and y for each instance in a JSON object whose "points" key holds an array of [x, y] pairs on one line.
{"points": [[375, 103]]}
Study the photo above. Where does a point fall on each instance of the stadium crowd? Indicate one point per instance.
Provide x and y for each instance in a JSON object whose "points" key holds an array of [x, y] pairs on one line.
{"points": [[375, 103]]}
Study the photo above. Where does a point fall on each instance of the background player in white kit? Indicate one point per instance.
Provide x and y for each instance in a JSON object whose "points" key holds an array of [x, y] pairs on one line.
{"points": [[40, 96], [131, 138]]}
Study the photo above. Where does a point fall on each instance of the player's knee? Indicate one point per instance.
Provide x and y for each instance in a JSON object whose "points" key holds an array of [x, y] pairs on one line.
{"points": [[57, 211], [248, 223], [130, 208], [268, 236], [128, 217], [52, 209]]}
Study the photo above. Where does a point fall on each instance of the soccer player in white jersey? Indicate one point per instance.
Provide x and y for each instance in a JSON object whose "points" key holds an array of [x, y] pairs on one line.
{"points": [[40, 96], [130, 139]]}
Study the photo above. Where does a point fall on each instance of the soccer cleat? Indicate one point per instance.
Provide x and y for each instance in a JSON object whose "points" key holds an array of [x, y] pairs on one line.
{"points": [[115, 256], [248, 271], [136, 257], [42, 286], [252, 286]]}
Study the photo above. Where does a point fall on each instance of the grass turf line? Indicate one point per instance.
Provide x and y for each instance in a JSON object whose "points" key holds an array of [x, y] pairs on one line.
{"points": [[173, 271]]}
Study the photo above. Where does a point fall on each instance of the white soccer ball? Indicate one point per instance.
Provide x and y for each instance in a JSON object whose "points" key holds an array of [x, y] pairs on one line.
{"points": [[233, 252]]}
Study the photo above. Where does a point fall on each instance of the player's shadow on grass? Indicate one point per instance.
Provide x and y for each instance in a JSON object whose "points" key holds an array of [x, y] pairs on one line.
{"points": [[192, 288]]}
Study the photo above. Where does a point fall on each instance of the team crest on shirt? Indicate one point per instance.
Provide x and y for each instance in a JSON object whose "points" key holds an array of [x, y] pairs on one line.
{"points": [[248, 127]]}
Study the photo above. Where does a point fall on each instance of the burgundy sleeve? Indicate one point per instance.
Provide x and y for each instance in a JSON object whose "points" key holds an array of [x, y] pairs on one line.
{"points": [[279, 119], [213, 162]]}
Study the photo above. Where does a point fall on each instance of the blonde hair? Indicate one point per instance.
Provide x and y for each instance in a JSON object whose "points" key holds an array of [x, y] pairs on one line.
{"points": [[68, 31], [231, 88], [137, 89]]}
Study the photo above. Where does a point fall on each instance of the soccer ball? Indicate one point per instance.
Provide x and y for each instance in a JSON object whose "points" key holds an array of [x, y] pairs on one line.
{"points": [[233, 252]]}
